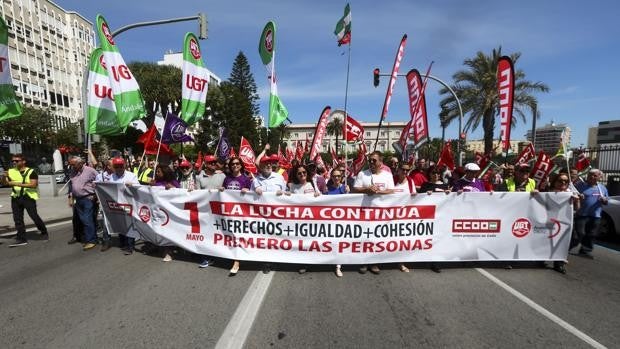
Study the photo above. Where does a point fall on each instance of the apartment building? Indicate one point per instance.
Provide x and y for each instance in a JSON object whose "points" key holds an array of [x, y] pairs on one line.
{"points": [[48, 50]]}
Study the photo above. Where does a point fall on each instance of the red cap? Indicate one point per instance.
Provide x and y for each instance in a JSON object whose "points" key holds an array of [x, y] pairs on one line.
{"points": [[210, 158], [118, 161], [185, 163], [270, 158]]}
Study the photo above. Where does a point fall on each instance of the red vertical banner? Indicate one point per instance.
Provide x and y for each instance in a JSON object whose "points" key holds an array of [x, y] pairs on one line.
{"points": [[417, 106], [526, 155], [399, 57], [542, 168], [505, 91], [319, 132]]}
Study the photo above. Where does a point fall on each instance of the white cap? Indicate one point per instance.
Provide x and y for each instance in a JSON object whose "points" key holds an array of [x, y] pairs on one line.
{"points": [[472, 167]]}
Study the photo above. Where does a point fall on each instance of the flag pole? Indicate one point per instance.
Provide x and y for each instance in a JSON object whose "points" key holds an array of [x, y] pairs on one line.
{"points": [[346, 95], [160, 140]]}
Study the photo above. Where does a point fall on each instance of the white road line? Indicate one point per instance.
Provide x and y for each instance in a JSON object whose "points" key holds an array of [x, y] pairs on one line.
{"points": [[9, 233], [570, 328], [239, 326]]}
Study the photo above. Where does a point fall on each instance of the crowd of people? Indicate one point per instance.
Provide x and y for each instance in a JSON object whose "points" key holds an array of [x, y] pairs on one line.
{"points": [[294, 178]]}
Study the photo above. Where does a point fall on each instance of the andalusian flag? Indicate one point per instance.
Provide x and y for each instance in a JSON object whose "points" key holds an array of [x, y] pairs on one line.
{"points": [[125, 89], [343, 28], [9, 105], [266, 48], [101, 109], [195, 81]]}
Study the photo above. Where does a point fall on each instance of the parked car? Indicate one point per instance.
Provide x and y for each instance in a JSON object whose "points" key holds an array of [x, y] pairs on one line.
{"points": [[60, 176], [610, 219]]}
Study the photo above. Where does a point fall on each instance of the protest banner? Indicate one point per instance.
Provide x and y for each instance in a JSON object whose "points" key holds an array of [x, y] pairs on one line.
{"points": [[344, 229]]}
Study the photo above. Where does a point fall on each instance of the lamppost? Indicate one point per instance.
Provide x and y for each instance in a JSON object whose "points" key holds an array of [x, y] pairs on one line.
{"points": [[377, 74]]}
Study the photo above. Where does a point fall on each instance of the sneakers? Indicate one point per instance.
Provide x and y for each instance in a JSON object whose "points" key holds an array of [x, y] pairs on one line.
{"points": [[126, 252], [363, 269], [89, 246], [206, 262], [302, 270], [105, 246], [167, 258], [586, 254], [18, 243], [559, 267], [266, 268], [375, 270], [72, 241], [45, 237], [338, 272], [403, 268]]}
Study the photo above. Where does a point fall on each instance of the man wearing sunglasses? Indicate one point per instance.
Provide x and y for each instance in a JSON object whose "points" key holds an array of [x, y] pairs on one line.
{"points": [[24, 195], [209, 178]]}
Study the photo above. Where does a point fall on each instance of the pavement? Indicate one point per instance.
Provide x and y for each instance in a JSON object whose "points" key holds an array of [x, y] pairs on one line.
{"points": [[51, 209]]}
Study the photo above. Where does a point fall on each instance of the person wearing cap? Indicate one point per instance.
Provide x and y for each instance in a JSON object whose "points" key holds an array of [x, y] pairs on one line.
{"points": [[521, 181], [469, 182], [119, 175], [187, 179], [209, 178], [268, 181]]}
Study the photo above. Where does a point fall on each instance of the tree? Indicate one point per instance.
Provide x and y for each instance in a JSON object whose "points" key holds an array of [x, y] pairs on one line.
{"points": [[159, 84], [241, 77], [34, 126], [476, 88], [334, 128]]}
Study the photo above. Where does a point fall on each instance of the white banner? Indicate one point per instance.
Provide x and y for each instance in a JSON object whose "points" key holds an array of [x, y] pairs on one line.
{"points": [[344, 229]]}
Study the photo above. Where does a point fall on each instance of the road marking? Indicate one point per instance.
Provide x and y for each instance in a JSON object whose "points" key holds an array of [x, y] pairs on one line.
{"points": [[570, 328], [9, 233], [239, 326]]}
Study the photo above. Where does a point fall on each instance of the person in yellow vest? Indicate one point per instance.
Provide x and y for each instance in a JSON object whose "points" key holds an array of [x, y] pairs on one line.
{"points": [[521, 181], [24, 195], [145, 176]]}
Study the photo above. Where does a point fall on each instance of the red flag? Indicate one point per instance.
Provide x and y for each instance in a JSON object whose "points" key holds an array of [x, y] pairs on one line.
{"points": [[360, 159], [334, 156], [526, 155], [147, 136], [299, 151], [505, 90], [246, 154], [232, 153], [152, 147], [582, 162], [290, 154], [417, 105], [319, 132], [307, 145], [390, 89], [446, 157], [542, 168], [482, 160], [198, 163], [353, 130], [319, 161], [282, 160]]}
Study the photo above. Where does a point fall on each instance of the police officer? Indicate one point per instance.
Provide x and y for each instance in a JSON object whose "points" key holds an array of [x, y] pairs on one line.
{"points": [[24, 195]]}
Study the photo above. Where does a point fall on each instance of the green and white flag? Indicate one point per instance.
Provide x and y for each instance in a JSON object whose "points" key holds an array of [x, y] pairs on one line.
{"points": [[9, 105], [125, 89], [343, 27], [266, 49], [101, 117], [195, 81]]}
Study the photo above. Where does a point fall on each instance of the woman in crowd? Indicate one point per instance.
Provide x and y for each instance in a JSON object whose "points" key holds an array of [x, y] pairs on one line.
{"points": [[435, 182], [560, 183], [236, 180], [299, 184], [337, 187], [165, 177], [404, 184]]}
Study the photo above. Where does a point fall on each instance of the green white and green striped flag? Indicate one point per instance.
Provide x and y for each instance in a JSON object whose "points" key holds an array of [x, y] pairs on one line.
{"points": [[102, 118], [343, 27], [266, 48], [9, 105], [195, 81], [127, 97]]}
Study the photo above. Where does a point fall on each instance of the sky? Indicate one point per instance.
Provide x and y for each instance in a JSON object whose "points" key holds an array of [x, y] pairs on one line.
{"points": [[572, 46]]}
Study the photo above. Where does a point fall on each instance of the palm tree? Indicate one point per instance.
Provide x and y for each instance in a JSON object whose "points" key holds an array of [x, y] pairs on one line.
{"points": [[476, 88], [334, 128]]}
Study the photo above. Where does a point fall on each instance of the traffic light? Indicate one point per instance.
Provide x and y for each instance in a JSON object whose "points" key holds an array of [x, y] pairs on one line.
{"points": [[202, 23], [375, 73]]}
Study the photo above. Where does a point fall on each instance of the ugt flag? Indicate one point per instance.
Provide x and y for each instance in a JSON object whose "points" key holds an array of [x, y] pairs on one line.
{"points": [[101, 115], [267, 47], [195, 81], [9, 105], [125, 89]]}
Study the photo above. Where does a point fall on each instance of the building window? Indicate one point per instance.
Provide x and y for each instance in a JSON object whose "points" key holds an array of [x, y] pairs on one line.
{"points": [[382, 133], [296, 135], [367, 134]]}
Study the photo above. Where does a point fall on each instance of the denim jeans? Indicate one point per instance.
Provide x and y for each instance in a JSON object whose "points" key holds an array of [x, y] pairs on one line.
{"points": [[586, 228], [84, 207]]}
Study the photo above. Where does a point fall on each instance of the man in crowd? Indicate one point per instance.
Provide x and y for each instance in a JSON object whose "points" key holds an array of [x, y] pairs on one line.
{"points": [[121, 175], [373, 181], [45, 168], [521, 181], [209, 178], [469, 182], [23, 182], [104, 176], [82, 198], [147, 173], [588, 217], [418, 175]]}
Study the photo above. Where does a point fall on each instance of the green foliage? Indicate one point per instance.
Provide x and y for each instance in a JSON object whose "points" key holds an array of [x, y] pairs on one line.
{"points": [[34, 126], [67, 135], [190, 151], [241, 77], [476, 88], [159, 84], [334, 128]]}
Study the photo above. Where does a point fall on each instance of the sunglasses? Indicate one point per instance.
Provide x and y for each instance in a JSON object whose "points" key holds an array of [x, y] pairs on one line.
{"points": [[16, 160], [562, 181], [235, 164], [301, 173], [373, 160]]}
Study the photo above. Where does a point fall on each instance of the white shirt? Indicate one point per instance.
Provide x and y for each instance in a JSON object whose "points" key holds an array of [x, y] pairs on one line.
{"points": [[103, 176], [128, 177], [382, 180], [404, 187], [273, 183], [301, 188]]}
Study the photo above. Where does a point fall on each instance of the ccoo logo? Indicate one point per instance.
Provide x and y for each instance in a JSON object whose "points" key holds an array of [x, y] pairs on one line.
{"points": [[521, 227]]}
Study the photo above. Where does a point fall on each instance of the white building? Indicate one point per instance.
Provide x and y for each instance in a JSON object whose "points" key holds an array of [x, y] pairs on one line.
{"points": [[48, 50], [390, 133], [176, 59]]}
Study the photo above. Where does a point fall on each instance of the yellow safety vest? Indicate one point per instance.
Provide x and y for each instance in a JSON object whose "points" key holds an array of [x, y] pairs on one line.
{"points": [[143, 178], [16, 176], [529, 187]]}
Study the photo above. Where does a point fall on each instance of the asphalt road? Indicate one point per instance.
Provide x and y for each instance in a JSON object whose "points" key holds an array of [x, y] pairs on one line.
{"points": [[54, 295]]}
